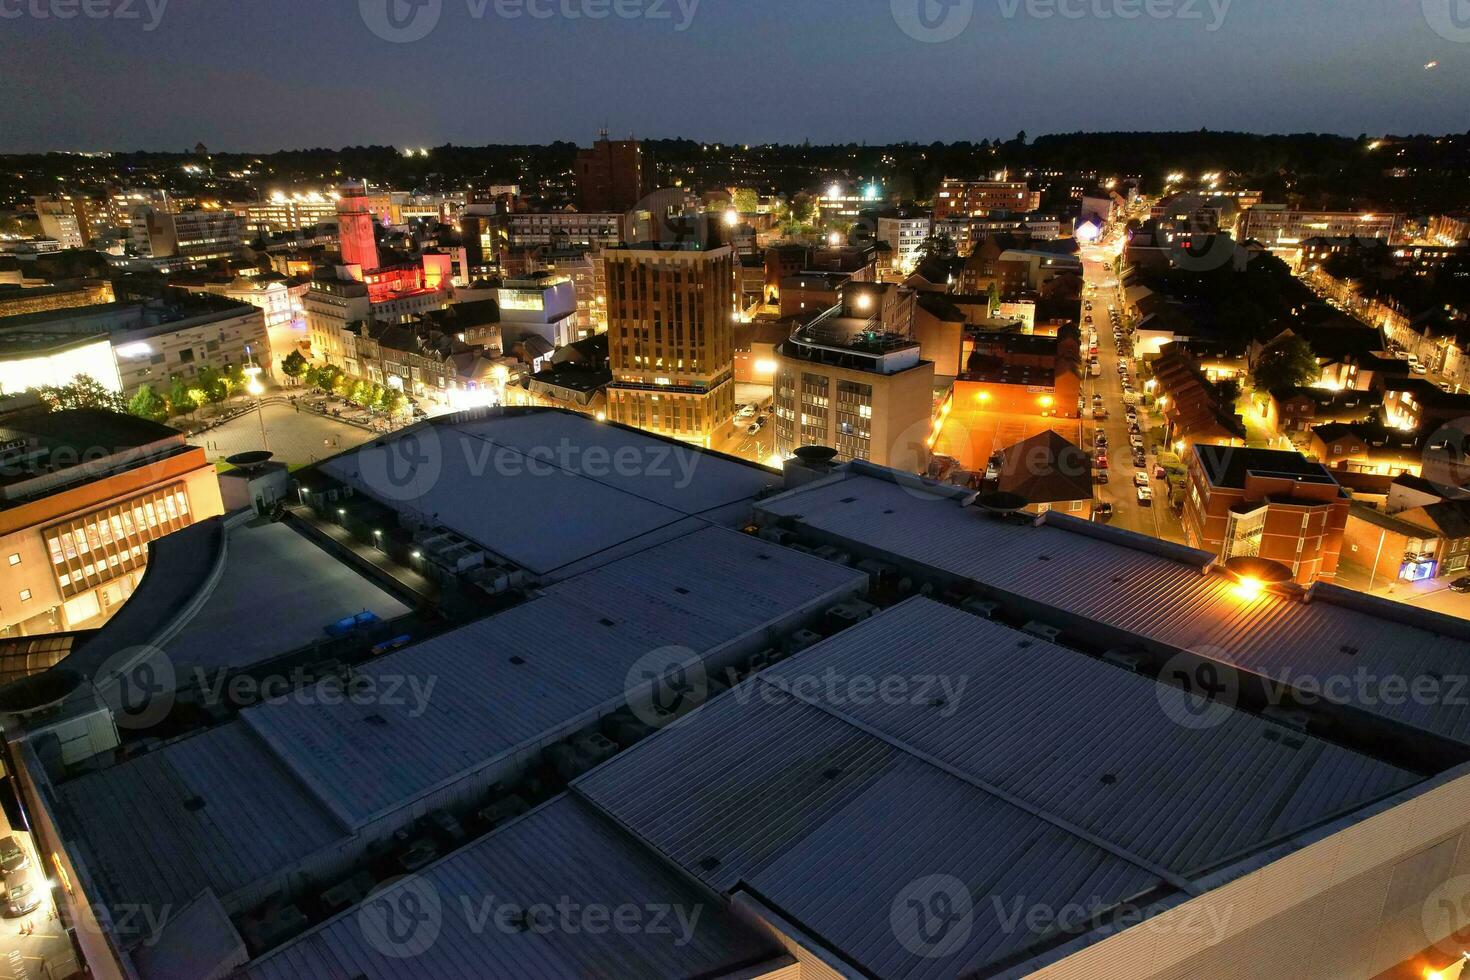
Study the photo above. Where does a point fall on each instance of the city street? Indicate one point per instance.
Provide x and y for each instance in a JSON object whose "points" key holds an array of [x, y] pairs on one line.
{"points": [[1157, 520], [733, 439], [35, 945]]}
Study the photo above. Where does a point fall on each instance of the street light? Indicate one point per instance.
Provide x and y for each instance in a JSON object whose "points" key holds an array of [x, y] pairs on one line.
{"points": [[256, 389]]}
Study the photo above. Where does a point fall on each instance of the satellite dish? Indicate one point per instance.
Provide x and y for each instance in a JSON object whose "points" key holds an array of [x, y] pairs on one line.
{"points": [[816, 455], [251, 461], [1001, 503]]}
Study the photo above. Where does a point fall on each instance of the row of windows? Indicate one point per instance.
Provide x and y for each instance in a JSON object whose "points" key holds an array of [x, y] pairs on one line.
{"points": [[88, 550]]}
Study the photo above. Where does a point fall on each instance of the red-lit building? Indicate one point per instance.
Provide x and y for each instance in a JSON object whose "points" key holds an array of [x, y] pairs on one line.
{"points": [[1263, 503]]}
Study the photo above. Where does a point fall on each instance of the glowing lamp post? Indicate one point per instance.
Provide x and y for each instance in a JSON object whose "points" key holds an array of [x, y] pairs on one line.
{"points": [[256, 389]]}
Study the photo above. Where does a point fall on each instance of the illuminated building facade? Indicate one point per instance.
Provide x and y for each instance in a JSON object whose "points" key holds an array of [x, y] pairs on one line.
{"points": [[671, 312], [83, 493], [978, 198], [1264, 503], [1282, 230], [67, 218], [854, 380]]}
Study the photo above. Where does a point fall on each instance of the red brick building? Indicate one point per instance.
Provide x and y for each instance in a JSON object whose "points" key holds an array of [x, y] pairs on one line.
{"points": [[614, 175], [1267, 504]]}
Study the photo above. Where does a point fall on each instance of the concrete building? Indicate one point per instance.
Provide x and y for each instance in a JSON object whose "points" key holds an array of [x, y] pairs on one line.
{"points": [[671, 311], [904, 230], [83, 493], [66, 218], [543, 305], [853, 379], [1262, 503], [187, 236]]}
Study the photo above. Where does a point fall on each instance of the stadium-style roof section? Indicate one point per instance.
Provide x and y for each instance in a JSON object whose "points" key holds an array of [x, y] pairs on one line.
{"points": [[1112, 589], [1031, 773], [553, 492], [562, 852]]}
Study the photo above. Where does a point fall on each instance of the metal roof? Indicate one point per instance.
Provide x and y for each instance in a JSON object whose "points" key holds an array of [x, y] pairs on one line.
{"points": [[507, 681], [548, 489], [211, 811], [1038, 776], [561, 852], [1094, 577]]}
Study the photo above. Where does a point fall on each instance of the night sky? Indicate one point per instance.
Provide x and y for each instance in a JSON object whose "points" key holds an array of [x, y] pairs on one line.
{"points": [[269, 74]]}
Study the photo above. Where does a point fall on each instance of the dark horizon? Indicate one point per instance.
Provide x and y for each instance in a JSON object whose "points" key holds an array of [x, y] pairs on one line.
{"points": [[487, 72]]}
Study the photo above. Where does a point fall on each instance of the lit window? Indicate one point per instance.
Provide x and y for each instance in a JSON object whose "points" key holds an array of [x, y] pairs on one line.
{"points": [[25, 595], [15, 559]]}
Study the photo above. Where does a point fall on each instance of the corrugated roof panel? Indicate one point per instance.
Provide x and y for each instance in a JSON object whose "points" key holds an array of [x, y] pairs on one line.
{"points": [[561, 853], [1149, 595], [1082, 739], [212, 811], [761, 792], [509, 679]]}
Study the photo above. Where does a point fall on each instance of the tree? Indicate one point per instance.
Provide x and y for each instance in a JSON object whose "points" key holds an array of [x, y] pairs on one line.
{"points": [[293, 365], [393, 401], [211, 385], [180, 400], [360, 393], [938, 245], [148, 404], [327, 378], [746, 200], [83, 391], [1287, 362]]}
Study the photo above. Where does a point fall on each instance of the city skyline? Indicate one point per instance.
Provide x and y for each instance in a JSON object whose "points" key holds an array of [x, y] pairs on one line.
{"points": [[281, 75]]}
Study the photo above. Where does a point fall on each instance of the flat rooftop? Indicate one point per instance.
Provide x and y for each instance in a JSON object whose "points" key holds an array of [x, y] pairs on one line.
{"points": [[1127, 590], [553, 492], [1014, 778], [277, 593]]}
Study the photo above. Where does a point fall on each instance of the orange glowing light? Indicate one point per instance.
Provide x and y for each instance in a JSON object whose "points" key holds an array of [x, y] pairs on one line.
{"points": [[1249, 589]]}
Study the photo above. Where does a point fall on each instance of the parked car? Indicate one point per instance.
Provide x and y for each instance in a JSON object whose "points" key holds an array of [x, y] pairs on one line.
{"points": [[1140, 479], [1461, 585], [1099, 414], [1100, 462], [1145, 497], [1102, 512], [1136, 442], [12, 856], [20, 896], [1100, 476]]}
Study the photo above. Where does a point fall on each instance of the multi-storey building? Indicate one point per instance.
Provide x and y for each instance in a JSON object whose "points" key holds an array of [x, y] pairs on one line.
{"points": [[66, 218], [1283, 230], [904, 229], [853, 380], [60, 296], [614, 175], [1264, 503], [671, 311], [82, 493], [978, 198], [196, 236], [283, 213]]}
